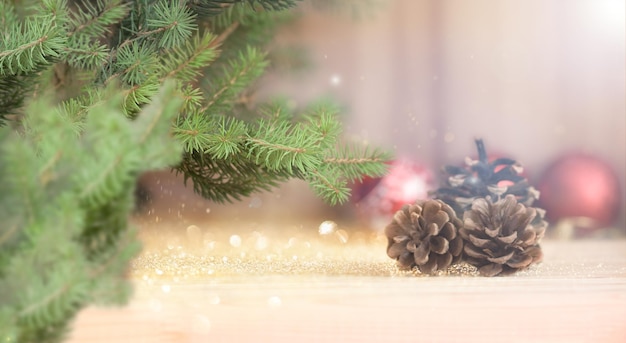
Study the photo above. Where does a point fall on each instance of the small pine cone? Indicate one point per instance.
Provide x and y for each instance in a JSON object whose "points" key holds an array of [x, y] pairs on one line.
{"points": [[502, 237], [425, 235]]}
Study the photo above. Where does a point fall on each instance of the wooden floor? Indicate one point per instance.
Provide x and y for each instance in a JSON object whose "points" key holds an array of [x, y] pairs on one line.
{"points": [[577, 295]]}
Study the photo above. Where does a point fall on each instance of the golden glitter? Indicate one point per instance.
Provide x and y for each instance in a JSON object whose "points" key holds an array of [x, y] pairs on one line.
{"points": [[277, 251]]}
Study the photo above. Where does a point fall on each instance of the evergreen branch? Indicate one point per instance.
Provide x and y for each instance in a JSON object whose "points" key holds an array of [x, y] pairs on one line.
{"points": [[192, 99], [226, 33], [276, 111], [228, 179], [173, 21], [241, 72], [186, 63], [283, 146], [13, 90], [274, 5], [155, 122], [322, 120], [329, 186], [210, 8], [354, 162], [94, 19], [220, 138], [136, 63], [26, 47], [48, 299], [113, 265], [138, 95], [192, 132], [8, 17], [91, 56], [108, 172], [238, 13]]}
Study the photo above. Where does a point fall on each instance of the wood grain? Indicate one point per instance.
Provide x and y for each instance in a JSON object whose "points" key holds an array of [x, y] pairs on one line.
{"points": [[577, 295]]}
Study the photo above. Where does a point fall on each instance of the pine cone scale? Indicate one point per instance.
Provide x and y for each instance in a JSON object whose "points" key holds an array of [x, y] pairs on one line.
{"points": [[490, 270], [502, 259], [508, 239], [448, 231], [479, 242], [456, 246], [439, 245], [396, 249], [522, 263], [473, 252], [421, 253]]}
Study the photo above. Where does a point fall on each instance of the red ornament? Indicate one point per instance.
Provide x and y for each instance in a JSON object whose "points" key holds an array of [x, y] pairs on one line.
{"points": [[405, 182], [580, 185]]}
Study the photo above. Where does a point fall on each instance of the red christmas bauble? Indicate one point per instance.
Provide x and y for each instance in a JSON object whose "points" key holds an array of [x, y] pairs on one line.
{"points": [[580, 185], [406, 181]]}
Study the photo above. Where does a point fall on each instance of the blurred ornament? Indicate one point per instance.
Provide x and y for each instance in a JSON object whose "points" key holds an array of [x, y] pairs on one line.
{"points": [[406, 181], [483, 177], [582, 186]]}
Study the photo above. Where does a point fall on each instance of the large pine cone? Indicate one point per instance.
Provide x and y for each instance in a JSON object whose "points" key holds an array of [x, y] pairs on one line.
{"points": [[502, 237], [481, 178], [425, 235]]}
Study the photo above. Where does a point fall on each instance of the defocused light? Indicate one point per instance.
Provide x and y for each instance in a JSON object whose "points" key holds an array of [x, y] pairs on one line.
{"points": [[606, 15], [327, 227]]}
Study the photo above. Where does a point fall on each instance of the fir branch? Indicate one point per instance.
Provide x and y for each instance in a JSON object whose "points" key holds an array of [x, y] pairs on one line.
{"points": [[323, 122], [171, 21], [211, 8], [185, 63], [13, 90], [138, 95], [192, 132], [136, 63], [25, 47], [227, 140], [227, 180], [355, 162], [283, 146], [192, 99], [240, 73], [94, 19], [226, 33], [275, 111], [86, 56], [328, 185]]}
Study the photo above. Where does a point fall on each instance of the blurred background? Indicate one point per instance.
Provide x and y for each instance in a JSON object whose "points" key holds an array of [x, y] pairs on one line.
{"points": [[541, 81]]}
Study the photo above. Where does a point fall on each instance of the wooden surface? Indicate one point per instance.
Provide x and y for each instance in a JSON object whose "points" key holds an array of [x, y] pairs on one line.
{"points": [[577, 295]]}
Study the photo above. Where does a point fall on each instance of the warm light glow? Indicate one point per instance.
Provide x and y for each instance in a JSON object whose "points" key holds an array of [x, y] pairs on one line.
{"points": [[606, 15], [327, 227]]}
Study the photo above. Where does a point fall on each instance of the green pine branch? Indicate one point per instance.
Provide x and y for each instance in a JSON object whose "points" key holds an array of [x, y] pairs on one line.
{"points": [[94, 92], [65, 202], [209, 8]]}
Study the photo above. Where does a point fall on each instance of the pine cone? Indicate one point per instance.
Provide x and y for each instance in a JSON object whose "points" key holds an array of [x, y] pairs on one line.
{"points": [[425, 235], [502, 237], [481, 178]]}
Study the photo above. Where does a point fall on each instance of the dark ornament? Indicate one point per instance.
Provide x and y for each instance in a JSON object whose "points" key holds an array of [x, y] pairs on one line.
{"points": [[425, 235], [481, 178], [502, 237]]}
